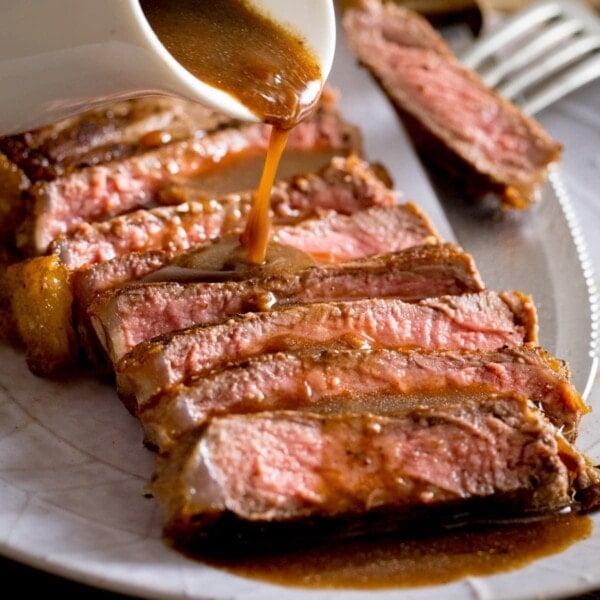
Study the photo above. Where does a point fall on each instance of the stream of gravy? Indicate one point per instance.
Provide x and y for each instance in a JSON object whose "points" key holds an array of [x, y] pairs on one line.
{"points": [[232, 47], [258, 227]]}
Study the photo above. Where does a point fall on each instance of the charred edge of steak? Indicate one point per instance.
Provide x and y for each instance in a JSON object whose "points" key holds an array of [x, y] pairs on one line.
{"points": [[525, 311]]}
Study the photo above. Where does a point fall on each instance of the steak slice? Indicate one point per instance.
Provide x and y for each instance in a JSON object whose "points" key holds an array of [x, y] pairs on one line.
{"points": [[366, 232], [485, 320], [357, 380], [127, 316], [244, 478], [102, 191], [503, 149], [345, 186], [111, 132], [169, 228]]}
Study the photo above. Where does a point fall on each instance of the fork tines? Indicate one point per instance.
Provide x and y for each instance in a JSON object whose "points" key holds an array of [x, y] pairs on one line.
{"points": [[540, 54]]}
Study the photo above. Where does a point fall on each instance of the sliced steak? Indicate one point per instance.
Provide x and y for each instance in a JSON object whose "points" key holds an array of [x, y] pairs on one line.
{"points": [[503, 149], [262, 474], [364, 233], [127, 316], [173, 235], [103, 191], [112, 132], [93, 278], [168, 228], [403, 227], [485, 320], [345, 186], [356, 380]]}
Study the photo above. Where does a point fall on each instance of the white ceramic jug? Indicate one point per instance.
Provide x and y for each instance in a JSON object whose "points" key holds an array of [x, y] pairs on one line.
{"points": [[61, 57]]}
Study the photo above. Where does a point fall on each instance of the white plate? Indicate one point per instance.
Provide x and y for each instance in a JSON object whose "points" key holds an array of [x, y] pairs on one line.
{"points": [[73, 469]]}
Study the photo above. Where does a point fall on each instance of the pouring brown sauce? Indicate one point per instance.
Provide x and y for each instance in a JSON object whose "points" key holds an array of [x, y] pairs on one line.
{"points": [[232, 47]]}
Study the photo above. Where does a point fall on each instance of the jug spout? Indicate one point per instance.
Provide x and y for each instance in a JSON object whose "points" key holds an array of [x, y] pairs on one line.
{"points": [[59, 57]]}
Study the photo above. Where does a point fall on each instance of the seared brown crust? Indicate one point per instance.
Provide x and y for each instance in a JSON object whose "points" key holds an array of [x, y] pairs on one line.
{"points": [[483, 131], [525, 312]]}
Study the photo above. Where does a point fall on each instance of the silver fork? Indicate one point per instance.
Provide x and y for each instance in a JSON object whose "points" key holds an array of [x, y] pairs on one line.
{"points": [[540, 54]]}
